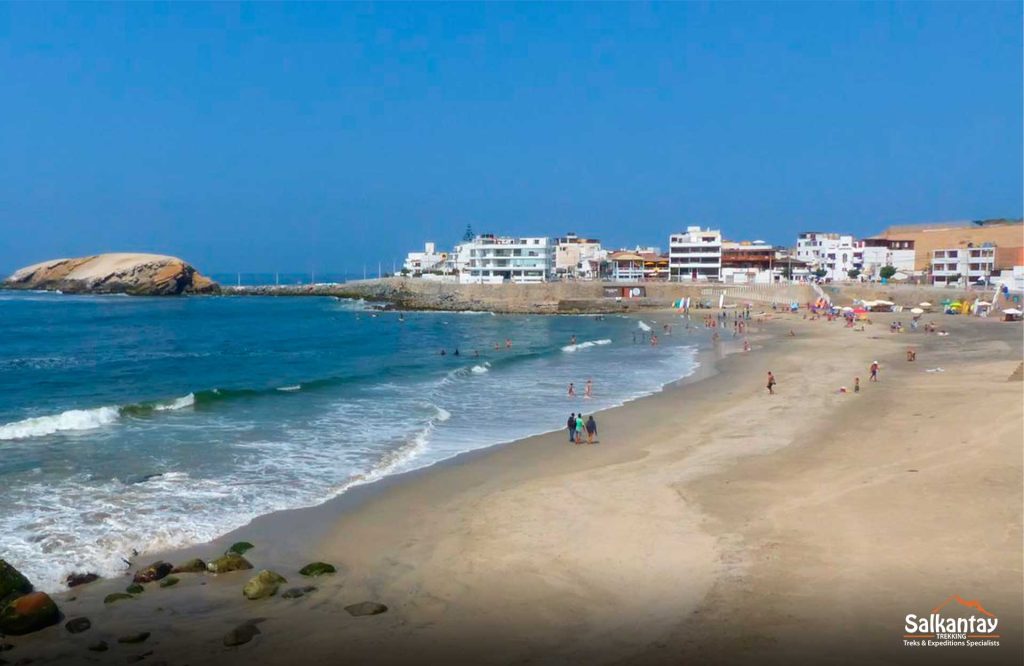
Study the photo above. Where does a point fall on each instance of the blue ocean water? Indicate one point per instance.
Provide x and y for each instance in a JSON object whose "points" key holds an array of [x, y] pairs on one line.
{"points": [[146, 423]]}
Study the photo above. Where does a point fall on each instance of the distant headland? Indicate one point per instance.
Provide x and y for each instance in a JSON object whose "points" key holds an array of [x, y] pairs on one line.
{"points": [[114, 273]]}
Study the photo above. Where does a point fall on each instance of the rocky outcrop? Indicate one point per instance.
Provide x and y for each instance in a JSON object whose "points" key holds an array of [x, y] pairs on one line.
{"points": [[229, 562], [154, 571], [12, 583], [263, 585], [28, 613], [115, 273], [317, 569]]}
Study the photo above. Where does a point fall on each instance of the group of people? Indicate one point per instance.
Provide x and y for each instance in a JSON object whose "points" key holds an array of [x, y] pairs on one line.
{"points": [[578, 428], [588, 389]]}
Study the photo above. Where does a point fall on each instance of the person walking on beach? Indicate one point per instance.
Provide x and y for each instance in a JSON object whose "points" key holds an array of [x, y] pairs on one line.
{"points": [[571, 425], [874, 371], [580, 427], [572, 390], [591, 429], [856, 384], [771, 383]]}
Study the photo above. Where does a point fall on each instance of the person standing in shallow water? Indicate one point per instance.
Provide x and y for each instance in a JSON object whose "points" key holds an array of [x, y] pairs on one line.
{"points": [[591, 429], [571, 426], [572, 390]]}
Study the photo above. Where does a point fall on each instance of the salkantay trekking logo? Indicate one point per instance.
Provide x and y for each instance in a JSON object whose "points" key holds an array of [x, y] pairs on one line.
{"points": [[978, 629]]}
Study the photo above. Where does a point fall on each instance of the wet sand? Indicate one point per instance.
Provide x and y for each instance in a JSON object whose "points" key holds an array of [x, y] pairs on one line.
{"points": [[712, 523]]}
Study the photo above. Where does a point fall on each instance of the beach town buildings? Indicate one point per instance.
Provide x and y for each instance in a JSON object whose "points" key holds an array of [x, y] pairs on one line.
{"points": [[835, 254], [430, 260], [491, 259], [640, 265], [578, 258], [877, 253], [695, 255], [969, 265], [748, 262]]}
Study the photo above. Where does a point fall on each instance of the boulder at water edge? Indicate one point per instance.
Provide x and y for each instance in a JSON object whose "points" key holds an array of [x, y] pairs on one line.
{"points": [[317, 569], [28, 613], [76, 579], [239, 547], [229, 562], [154, 571], [262, 585], [12, 583]]}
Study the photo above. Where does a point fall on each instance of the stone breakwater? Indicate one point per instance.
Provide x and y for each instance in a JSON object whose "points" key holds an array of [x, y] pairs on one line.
{"points": [[114, 273], [547, 298]]}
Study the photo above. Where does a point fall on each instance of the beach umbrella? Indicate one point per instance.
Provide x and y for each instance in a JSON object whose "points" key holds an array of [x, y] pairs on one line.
{"points": [[980, 302], [884, 303], [847, 309], [859, 311], [1012, 311], [917, 310], [925, 304]]}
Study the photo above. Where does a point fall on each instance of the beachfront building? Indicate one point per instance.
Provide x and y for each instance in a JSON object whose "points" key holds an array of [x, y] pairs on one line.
{"points": [[963, 265], [638, 266], [835, 254], [578, 258], [932, 236], [695, 255], [430, 260], [494, 259], [878, 253], [747, 262]]}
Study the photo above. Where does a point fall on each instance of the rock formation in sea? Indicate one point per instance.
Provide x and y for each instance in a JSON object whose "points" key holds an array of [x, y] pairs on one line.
{"points": [[115, 273]]}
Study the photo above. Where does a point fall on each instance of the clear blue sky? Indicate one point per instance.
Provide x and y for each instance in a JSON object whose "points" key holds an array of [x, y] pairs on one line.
{"points": [[267, 137]]}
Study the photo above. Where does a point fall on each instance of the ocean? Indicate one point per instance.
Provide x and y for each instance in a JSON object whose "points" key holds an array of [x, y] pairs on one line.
{"points": [[148, 423]]}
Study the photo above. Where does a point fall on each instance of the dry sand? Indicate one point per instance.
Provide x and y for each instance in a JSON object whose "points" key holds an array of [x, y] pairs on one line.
{"points": [[712, 524]]}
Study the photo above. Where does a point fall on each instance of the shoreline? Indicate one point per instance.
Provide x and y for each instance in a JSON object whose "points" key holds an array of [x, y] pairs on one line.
{"points": [[631, 546]]}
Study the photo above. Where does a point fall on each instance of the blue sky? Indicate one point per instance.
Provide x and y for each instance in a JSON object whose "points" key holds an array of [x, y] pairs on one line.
{"points": [[322, 136]]}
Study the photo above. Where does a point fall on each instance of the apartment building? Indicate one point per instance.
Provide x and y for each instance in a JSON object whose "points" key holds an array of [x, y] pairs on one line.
{"points": [[695, 256], [957, 265], [491, 259], [578, 258], [747, 262], [836, 254], [429, 260], [880, 252]]}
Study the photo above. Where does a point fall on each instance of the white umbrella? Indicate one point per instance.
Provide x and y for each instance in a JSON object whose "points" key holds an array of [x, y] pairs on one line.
{"points": [[1012, 311], [925, 304], [917, 310], [982, 303], [884, 303], [847, 309]]}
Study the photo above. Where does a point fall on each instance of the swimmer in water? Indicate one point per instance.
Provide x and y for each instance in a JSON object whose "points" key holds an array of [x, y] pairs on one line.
{"points": [[588, 389], [508, 343], [444, 353], [572, 390], [456, 351]]}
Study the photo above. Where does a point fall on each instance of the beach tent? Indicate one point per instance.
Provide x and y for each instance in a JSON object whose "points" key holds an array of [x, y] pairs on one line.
{"points": [[847, 308], [1012, 314], [916, 311], [924, 304]]}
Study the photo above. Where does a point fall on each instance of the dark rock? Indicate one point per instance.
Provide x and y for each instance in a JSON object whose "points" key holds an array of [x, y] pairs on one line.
{"points": [[154, 571], [239, 547], [99, 646], [76, 579], [296, 592], [116, 596], [169, 581], [263, 585], [12, 583], [134, 588], [241, 634], [28, 613], [195, 565], [134, 638], [366, 608], [4, 647], [78, 625], [138, 657], [317, 569], [229, 562]]}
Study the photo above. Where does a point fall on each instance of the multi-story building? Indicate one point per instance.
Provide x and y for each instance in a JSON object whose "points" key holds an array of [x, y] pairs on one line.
{"points": [[695, 255], [638, 266], [880, 252], [747, 262], [578, 258], [428, 260], [494, 259], [836, 254], [961, 265]]}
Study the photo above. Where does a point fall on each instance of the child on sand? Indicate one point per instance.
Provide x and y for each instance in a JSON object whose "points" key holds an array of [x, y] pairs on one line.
{"points": [[771, 383], [874, 371]]}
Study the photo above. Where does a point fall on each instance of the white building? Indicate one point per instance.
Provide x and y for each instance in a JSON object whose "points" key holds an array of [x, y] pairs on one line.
{"points": [[428, 260], [496, 259], [578, 258], [954, 265], [878, 253], [836, 254], [695, 255]]}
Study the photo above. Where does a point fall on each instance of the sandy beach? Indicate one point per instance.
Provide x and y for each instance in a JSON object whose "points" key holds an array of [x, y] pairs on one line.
{"points": [[712, 523]]}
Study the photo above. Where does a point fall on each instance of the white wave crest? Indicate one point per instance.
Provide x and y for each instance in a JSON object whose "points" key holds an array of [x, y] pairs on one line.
{"points": [[643, 326], [294, 387], [178, 403], [481, 369], [585, 345], [73, 419]]}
